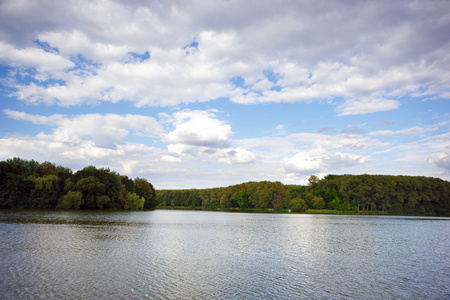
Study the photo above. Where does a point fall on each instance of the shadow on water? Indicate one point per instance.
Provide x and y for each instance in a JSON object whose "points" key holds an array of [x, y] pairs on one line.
{"points": [[64, 217]]}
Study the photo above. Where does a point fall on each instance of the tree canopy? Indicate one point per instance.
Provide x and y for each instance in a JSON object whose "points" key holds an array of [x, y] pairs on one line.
{"points": [[386, 194], [30, 184]]}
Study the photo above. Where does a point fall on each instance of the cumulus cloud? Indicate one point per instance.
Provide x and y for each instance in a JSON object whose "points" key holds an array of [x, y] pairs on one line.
{"points": [[314, 52], [320, 161], [70, 44], [197, 135], [274, 148], [33, 58], [126, 158], [441, 160], [358, 57], [107, 131], [199, 128], [171, 158], [176, 152], [36, 119], [236, 156]]}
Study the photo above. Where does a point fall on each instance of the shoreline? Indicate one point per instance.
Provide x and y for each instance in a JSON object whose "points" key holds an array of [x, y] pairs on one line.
{"points": [[238, 210], [288, 211]]}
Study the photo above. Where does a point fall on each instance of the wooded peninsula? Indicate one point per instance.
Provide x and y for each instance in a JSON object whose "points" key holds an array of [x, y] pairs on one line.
{"points": [[30, 184]]}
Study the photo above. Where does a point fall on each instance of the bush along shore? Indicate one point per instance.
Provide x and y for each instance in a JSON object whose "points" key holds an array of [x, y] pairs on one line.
{"points": [[30, 184]]}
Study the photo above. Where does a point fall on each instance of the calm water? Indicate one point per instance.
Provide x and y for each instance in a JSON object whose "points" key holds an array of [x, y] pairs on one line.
{"points": [[211, 255]]}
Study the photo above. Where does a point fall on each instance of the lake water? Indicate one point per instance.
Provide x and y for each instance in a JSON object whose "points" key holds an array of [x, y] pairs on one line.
{"points": [[167, 254]]}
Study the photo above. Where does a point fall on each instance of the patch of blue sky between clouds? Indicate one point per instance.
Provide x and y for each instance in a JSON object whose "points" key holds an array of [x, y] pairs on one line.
{"points": [[26, 77], [136, 57], [81, 61], [45, 46], [238, 82], [274, 78], [84, 63], [192, 47]]}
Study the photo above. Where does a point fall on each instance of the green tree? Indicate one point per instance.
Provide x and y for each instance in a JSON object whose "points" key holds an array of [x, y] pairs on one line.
{"points": [[278, 192], [92, 191], [134, 202], [47, 168], [336, 204], [72, 200], [128, 183], [242, 199], [317, 203], [64, 174], [23, 167], [111, 182], [225, 201], [298, 204], [45, 193], [145, 189], [214, 200], [16, 191]]}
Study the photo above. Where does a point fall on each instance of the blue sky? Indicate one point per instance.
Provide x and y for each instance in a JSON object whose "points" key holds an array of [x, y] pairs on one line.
{"points": [[196, 94]]}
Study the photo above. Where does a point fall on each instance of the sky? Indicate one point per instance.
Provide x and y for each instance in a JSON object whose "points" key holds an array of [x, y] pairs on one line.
{"points": [[200, 94]]}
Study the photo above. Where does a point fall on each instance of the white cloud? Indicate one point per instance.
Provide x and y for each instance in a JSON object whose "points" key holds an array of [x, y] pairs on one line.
{"points": [[33, 58], [236, 156], [441, 160], [196, 136], [290, 144], [408, 131], [71, 44], [319, 161], [357, 57], [228, 156], [131, 159], [170, 158], [36, 119], [406, 54], [107, 131], [199, 128], [180, 151], [291, 158], [357, 107], [416, 130]]}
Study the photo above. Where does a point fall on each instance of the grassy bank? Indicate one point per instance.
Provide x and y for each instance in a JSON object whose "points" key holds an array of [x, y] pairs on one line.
{"points": [[271, 210], [284, 211]]}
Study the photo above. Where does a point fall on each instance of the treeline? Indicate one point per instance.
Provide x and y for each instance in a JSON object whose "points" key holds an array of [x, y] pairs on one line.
{"points": [[30, 184], [400, 195]]}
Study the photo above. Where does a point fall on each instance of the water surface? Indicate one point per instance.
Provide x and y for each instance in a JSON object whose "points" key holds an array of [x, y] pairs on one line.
{"points": [[208, 255]]}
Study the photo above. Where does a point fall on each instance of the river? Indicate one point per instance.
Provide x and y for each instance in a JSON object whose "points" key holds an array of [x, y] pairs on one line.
{"points": [[166, 254]]}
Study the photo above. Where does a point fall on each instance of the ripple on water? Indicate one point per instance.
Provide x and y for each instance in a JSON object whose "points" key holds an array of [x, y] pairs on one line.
{"points": [[205, 255]]}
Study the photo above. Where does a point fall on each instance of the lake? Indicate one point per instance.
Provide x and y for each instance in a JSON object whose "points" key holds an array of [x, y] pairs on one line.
{"points": [[166, 254]]}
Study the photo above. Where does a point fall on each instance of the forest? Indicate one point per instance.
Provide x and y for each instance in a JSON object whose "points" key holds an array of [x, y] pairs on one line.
{"points": [[30, 184], [361, 194]]}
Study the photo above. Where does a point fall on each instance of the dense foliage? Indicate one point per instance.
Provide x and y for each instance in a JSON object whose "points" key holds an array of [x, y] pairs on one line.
{"points": [[30, 184], [412, 195]]}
